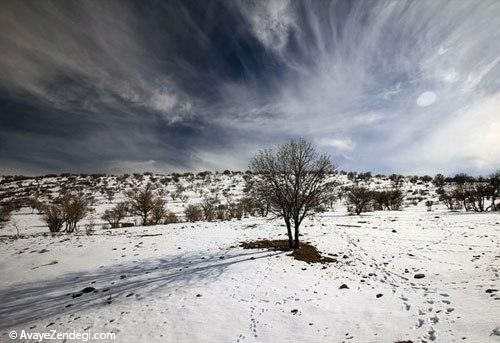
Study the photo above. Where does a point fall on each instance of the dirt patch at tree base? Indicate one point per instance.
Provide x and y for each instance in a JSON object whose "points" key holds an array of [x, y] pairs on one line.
{"points": [[306, 252]]}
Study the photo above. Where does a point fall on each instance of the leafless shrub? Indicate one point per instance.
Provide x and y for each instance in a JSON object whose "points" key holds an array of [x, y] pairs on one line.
{"points": [[258, 196], [478, 194], [158, 212], [116, 214], [450, 200], [193, 213], [171, 218], [358, 199], [494, 181], [208, 206], [74, 208], [429, 204], [5, 211], [235, 210], [221, 212], [34, 204], [54, 217], [391, 200], [141, 203]]}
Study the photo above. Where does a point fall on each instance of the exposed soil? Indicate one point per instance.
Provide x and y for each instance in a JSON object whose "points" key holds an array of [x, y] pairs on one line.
{"points": [[306, 252]]}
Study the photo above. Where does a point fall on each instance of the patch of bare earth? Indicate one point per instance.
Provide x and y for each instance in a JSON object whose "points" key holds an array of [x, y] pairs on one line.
{"points": [[306, 251]]}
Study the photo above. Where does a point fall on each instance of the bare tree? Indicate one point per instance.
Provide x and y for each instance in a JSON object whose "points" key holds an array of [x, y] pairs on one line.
{"points": [[494, 180], [54, 217], [5, 211], [258, 195], [141, 203], [295, 179], [158, 213], [193, 213], [74, 207], [116, 214], [358, 199]]}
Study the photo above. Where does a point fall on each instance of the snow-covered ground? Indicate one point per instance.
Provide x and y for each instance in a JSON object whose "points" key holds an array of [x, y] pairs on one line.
{"points": [[193, 283]]}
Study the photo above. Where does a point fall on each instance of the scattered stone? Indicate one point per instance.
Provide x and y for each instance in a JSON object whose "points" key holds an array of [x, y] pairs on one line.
{"points": [[394, 231], [88, 289], [198, 295], [343, 286], [379, 295], [419, 276], [294, 311]]}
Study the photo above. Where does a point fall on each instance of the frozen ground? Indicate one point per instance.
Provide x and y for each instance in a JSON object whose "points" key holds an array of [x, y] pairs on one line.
{"points": [[192, 283]]}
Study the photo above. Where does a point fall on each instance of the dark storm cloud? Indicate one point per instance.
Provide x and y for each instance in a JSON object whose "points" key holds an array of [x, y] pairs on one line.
{"points": [[118, 86]]}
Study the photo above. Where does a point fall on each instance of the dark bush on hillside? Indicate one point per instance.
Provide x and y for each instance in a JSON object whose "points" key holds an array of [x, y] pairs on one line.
{"points": [[158, 212], [397, 180], [477, 195], [426, 178], [221, 212], [116, 214], [54, 217], [388, 200], [358, 199], [209, 206], [74, 208], [450, 200], [193, 213], [249, 206], [494, 182], [34, 204], [235, 210], [429, 204], [5, 211], [141, 203], [257, 198], [364, 176], [171, 218]]}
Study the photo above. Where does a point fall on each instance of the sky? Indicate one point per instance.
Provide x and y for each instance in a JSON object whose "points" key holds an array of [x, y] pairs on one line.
{"points": [[407, 87]]}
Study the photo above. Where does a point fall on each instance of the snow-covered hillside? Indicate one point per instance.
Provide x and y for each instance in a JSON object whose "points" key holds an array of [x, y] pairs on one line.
{"points": [[410, 275]]}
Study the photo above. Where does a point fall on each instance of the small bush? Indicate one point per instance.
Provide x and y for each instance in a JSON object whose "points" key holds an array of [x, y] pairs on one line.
{"points": [[158, 212], [54, 217], [209, 206], [235, 210], [429, 204], [193, 213], [75, 208], [116, 214], [171, 218], [358, 199], [221, 212], [5, 211], [141, 202]]}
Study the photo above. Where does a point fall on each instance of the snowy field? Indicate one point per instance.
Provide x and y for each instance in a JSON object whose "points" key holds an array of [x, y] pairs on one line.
{"points": [[400, 276], [192, 283]]}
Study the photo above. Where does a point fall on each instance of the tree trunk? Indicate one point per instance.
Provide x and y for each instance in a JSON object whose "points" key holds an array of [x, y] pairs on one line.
{"points": [[289, 231], [296, 224]]}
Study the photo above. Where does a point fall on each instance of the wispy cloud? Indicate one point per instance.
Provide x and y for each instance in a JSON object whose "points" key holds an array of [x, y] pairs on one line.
{"points": [[192, 86]]}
